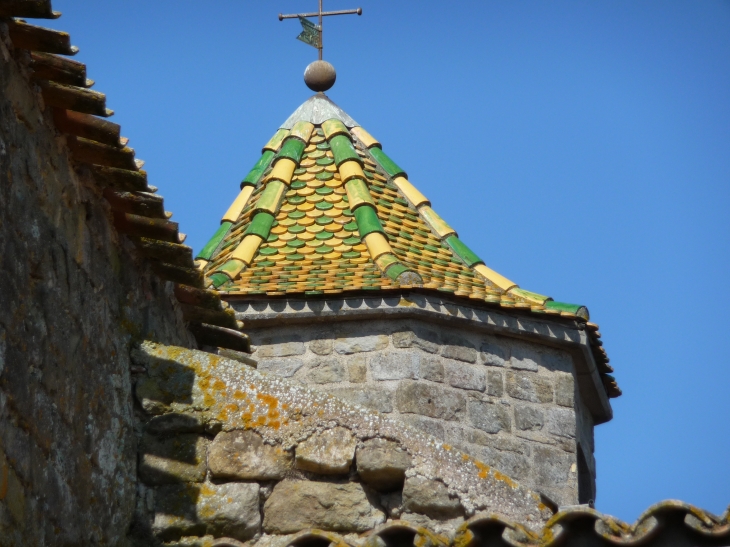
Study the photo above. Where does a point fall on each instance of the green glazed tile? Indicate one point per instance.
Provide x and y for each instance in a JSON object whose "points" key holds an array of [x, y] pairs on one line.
{"points": [[323, 221], [296, 243], [323, 146], [351, 254], [292, 149], [300, 171], [322, 262], [323, 250], [297, 229], [351, 226], [265, 263], [324, 191], [325, 176], [367, 221], [261, 225], [296, 215], [296, 256], [207, 252], [297, 200], [325, 161], [431, 248], [451, 274], [268, 251], [406, 235], [351, 241], [323, 236], [388, 165], [323, 206], [464, 252], [255, 174], [343, 150], [272, 238], [298, 185]]}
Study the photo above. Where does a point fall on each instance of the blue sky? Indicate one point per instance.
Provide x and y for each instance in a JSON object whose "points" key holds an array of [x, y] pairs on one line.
{"points": [[581, 148]]}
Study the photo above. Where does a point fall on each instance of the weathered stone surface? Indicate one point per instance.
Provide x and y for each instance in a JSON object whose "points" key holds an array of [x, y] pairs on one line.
{"points": [[525, 357], [427, 425], [465, 376], [175, 423], [382, 464], [230, 509], [561, 422], [431, 498], [367, 396], [489, 417], [495, 384], [495, 354], [243, 455], [358, 344], [394, 365], [329, 453], [460, 349], [431, 368], [529, 387], [529, 418], [284, 347], [281, 367], [327, 371], [429, 400], [552, 466], [322, 346], [326, 506], [419, 337], [173, 459], [564, 390], [357, 370]]}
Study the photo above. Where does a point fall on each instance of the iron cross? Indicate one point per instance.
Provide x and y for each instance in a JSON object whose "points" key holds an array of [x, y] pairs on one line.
{"points": [[312, 34]]}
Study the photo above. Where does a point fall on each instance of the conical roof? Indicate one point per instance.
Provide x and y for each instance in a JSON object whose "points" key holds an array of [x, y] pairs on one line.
{"points": [[326, 211]]}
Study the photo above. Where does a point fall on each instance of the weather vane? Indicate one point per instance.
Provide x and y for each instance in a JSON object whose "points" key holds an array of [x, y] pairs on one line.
{"points": [[320, 75]]}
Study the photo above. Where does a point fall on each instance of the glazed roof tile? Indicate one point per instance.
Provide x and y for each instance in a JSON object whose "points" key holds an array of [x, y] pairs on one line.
{"points": [[326, 211]]}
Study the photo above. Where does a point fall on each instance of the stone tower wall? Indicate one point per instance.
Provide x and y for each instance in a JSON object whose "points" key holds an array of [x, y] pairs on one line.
{"points": [[509, 403], [72, 298]]}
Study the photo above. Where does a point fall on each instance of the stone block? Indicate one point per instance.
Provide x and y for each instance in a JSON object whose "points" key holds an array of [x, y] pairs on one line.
{"points": [[367, 396], [430, 498], [322, 346], [382, 464], [565, 390], [174, 423], [465, 376], [494, 354], [427, 425], [242, 455], [394, 365], [173, 459], [283, 347], [357, 370], [529, 418], [328, 453], [299, 505], [360, 344], [558, 361], [431, 368], [551, 466], [327, 371], [419, 337], [561, 422], [230, 510], [429, 400], [456, 347], [280, 367], [489, 417], [530, 387], [525, 357], [495, 383]]}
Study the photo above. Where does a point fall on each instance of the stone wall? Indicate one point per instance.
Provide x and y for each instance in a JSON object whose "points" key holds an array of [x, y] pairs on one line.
{"points": [[229, 452], [72, 299], [510, 403]]}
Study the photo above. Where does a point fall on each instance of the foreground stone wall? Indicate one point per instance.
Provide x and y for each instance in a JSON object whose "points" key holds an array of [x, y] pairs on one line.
{"points": [[510, 403], [229, 452], [72, 298]]}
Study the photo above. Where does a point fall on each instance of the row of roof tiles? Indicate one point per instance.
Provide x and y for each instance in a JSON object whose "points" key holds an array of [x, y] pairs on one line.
{"points": [[96, 146]]}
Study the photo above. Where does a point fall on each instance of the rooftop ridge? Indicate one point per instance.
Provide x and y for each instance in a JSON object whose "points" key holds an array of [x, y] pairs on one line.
{"points": [[316, 110]]}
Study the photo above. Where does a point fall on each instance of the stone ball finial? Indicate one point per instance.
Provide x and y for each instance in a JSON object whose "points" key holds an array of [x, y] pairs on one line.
{"points": [[320, 76]]}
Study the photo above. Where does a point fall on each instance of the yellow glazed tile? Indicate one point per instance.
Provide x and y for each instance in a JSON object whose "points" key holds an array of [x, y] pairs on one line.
{"points": [[283, 170], [315, 184], [287, 208], [306, 221], [287, 236], [234, 211], [306, 177], [315, 229], [302, 130], [306, 191], [314, 213], [333, 255], [499, 280], [376, 244], [247, 249], [306, 236], [351, 169], [306, 207], [307, 163], [367, 139]]}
